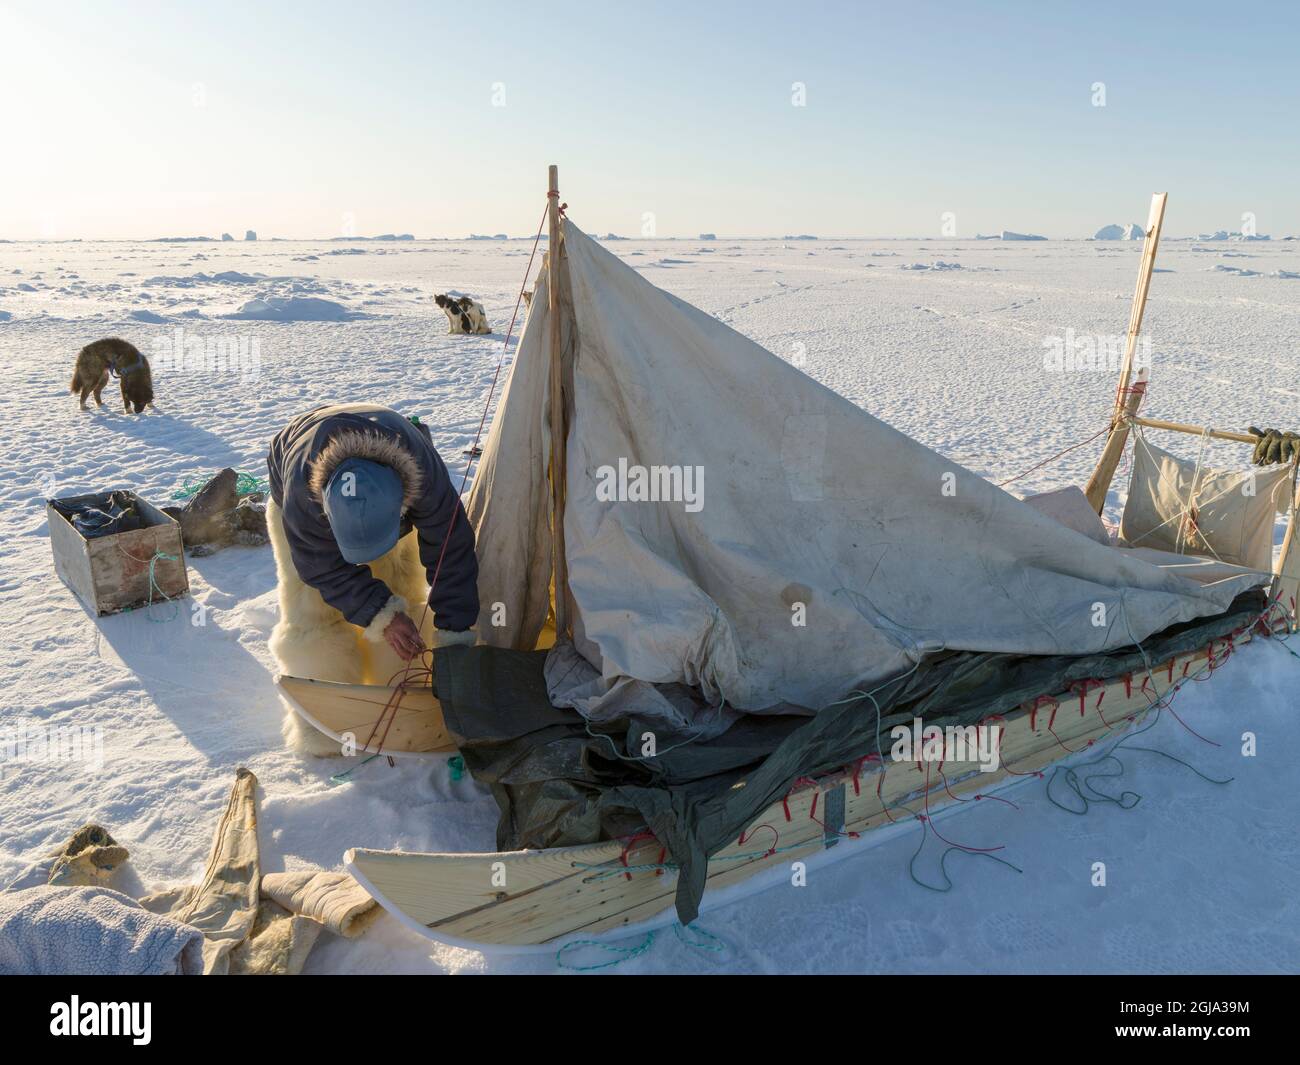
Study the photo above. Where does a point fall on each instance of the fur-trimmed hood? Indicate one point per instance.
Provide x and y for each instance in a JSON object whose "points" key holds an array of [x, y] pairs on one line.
{"points": [[374, 446], [309, 450]]}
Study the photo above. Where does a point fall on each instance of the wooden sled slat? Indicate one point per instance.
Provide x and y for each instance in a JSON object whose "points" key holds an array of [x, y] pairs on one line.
{"points": [[527, 898], [552, 893], [344, 711]]}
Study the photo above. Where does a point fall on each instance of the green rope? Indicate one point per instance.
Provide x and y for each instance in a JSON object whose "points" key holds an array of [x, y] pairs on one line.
{"points": [[707, 941], [1282, 640], [1187, 765], [1094, 797], [1126, 800], [245, 484], [153, 586], [943, 861], [1080, 785], [456, 764], [704, 941], [342, 778], [622, 953]]}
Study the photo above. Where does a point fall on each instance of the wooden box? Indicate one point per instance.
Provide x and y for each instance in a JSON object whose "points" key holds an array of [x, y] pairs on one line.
{"points": [[110, 573]]}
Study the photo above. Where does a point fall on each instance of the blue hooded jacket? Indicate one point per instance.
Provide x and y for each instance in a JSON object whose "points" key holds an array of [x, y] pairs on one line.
{"points": [[302, 457]]}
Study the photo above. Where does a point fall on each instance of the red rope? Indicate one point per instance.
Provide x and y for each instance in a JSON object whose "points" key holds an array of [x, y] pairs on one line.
{"points": [[418, 675], [926, 818], [998, 746], [1052, 458], [1138, 389], [1051, 720], [880, 785], [776, 838], [631, 841], [478, 433], [1039, 701], [974, 798], [857, 770], [1083, 687], [799, 783]]}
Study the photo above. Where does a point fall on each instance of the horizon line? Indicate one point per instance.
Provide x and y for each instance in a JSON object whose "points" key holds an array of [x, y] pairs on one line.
{"points": [[1230, 238]]}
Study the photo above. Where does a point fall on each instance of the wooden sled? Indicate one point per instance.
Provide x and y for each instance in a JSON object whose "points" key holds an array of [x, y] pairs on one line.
{"points": [[521, 899], [355, 714]]}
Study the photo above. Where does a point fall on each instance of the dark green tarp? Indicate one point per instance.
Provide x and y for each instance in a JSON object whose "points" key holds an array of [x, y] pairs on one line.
{"points": [[561, 782]]}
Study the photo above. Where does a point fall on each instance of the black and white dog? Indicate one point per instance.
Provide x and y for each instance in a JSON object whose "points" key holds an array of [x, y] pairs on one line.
{"points": [[464, 315]]}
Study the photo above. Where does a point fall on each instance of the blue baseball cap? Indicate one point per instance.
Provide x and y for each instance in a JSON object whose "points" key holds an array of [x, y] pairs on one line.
{"points": [[363, 503]]}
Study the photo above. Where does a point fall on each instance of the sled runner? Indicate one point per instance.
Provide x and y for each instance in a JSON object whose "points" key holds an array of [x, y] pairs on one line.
{"points": [[370, 718]]}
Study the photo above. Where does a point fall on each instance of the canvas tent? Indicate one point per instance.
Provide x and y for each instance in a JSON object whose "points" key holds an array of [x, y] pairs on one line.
{"points": [[824, 578], [823, 552]]}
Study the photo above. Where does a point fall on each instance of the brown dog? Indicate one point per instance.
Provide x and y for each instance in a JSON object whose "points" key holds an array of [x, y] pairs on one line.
{"points": [[95, 362]]}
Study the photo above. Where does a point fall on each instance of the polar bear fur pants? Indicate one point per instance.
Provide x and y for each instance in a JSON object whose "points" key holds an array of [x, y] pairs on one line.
{"points": [[314, 641]]}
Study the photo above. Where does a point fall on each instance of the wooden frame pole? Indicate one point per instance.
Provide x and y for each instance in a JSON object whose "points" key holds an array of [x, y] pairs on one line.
{"points": [[1287, 582], [1129, 395], [559, 442], [1195, 430]]}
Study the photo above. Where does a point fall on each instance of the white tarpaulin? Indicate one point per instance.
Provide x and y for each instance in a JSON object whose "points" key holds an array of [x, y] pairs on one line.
{"points": [[1181, 506], [807, 548]]}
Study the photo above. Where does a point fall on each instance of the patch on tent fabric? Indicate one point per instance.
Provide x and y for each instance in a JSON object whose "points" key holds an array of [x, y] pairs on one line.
{"points": [[1224, 514], [803, 456], [794, 592]]}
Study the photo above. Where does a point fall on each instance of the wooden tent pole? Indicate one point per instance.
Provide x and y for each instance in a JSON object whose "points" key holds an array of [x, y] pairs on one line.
{"points": [[1287, 583], [1128, 398], [560, 566], [1195, 430]]}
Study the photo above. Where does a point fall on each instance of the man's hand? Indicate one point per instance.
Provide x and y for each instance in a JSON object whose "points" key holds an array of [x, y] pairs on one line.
{"points": [[404, 637]]}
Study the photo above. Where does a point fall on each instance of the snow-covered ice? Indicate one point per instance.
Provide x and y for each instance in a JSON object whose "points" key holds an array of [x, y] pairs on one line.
{"points": [[292, 309], [1200, 876]]}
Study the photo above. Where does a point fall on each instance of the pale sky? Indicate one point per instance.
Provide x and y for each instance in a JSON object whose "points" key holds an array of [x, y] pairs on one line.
{"points": [[137, 119]]}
